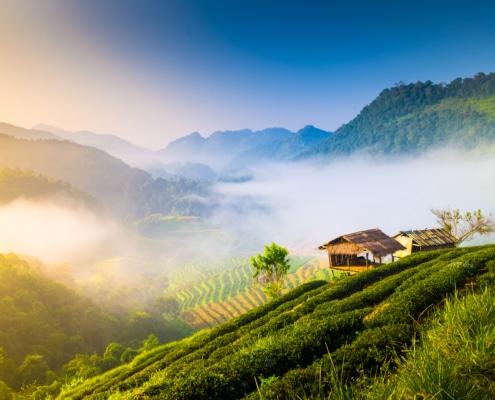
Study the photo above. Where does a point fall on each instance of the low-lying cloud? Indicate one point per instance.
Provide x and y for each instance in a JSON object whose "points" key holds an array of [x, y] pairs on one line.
{"points": [[52, 232], [303, 205], [298, 205]]}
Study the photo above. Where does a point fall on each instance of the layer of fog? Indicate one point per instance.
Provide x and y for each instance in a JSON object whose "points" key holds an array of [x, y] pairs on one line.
{"points": [[303, 205], [298, 205], [54, 232]]}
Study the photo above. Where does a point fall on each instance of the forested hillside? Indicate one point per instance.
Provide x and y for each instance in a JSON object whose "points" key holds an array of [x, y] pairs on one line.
{"points": [[411, 118], [320, 340], [16, 184], [128, 193], [49, 332]]}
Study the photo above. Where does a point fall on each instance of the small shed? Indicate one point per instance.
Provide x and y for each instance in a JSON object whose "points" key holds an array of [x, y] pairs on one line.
{"points": [[352, 251], [424, 240]]}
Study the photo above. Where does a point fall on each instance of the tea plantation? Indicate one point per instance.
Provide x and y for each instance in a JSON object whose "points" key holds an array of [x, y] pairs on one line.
{"points": [[320, 340]]}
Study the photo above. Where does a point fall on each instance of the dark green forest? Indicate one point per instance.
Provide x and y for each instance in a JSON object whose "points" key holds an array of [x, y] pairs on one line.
{"points": [[411, 118], [50, 333]]}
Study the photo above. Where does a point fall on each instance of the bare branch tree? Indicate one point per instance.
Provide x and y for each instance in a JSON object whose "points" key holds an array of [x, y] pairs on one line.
{"points": [[464, 226]]}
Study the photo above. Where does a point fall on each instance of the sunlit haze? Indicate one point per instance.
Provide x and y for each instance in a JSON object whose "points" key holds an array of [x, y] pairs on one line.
{"points": [[154, 71]]}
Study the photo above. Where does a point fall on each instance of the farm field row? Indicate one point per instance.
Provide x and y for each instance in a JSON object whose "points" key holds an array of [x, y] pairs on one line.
{"points": [[232, 292]]}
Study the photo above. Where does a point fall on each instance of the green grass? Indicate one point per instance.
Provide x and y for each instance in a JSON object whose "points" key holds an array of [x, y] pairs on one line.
{"points": [[455, 358]]}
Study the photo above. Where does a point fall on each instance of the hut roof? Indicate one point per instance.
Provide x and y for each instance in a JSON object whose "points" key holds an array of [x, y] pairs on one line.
{"points": [[429, 237], [373, 241]]}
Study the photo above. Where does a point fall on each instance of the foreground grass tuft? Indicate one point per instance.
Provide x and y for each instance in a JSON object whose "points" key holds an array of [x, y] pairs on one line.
{"points": [[456, 359]]}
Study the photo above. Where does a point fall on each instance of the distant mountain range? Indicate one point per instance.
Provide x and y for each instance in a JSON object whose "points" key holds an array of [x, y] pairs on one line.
{"points": [[284, 149], [220, 148], [406, 119], [126, 151], [192, 156]]}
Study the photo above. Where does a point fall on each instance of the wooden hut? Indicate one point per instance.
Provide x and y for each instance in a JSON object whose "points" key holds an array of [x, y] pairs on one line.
{"points": [[352, 252], [424, 240]]}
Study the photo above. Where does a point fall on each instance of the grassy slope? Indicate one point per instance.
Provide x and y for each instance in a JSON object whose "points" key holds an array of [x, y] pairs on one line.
{"points": [[456, 359], [286, 348]]}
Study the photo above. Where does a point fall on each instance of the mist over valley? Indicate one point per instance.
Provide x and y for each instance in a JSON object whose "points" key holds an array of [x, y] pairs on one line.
{"points": [[232, 192]]}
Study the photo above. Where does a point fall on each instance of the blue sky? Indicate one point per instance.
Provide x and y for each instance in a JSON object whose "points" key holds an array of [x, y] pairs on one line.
{"points": [[154, 70]]}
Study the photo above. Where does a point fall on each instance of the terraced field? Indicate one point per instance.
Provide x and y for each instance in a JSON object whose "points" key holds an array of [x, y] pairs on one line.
{"points": [[212, 292]]}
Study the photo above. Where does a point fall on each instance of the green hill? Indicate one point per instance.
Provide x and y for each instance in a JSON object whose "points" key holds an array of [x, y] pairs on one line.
{"points": [[128, 193], [317, 341], [16, 184], [42, 317], [412, 118], [49, 331]]}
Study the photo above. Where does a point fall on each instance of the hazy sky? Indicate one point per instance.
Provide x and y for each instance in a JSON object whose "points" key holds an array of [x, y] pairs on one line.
{"points": [[154, 70]]}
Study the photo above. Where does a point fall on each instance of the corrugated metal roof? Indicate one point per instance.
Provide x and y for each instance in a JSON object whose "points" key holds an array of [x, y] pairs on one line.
{"points": [[429, 237], [373, 241]]}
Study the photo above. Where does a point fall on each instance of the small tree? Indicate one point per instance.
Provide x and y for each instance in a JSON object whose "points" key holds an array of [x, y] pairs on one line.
{"points": [[166, 305], [271, 269], [464, 226]]}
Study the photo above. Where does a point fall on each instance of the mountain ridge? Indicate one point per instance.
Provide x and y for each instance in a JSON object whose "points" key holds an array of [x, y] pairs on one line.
{"points": [[218, 149], [411, 118], [406, 118]]}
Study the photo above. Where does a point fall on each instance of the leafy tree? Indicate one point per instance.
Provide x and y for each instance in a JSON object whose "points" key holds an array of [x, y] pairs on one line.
{"points": [[33, 369], [128, 355], [5, 392], [166, 305], [114, 349], [139, 325], [464, 226], [112, 355], [150, 342], [7, 368], [271, 268], [83, 366]]}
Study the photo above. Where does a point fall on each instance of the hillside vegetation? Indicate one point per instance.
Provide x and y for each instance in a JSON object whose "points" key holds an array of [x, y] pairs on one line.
{"points": [[317, 341], [49, 332], [212, 292], [411, 118], [128, 193], [17, 184]]}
